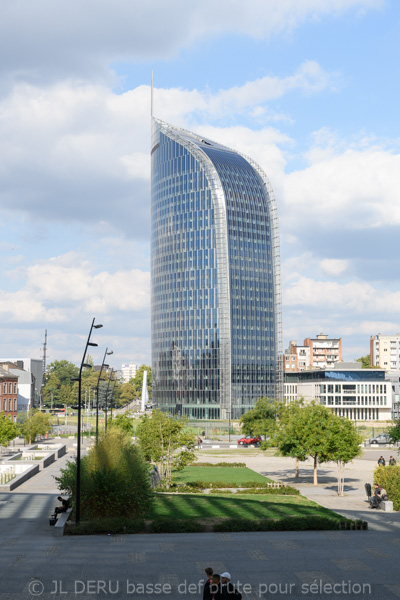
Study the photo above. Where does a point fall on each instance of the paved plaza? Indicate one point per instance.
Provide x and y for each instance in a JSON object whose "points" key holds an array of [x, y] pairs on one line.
{"points": [[320, 565]]}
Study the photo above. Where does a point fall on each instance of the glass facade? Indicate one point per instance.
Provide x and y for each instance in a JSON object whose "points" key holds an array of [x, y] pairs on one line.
{"points": [[214, 335]]}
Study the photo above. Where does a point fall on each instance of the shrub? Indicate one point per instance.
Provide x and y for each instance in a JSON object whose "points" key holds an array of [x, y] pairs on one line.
{"points": [[225, 484], [114, 479], [389, 478], [282, 491], [305, 523], [235, 465], [175, 526], [107, 526]]}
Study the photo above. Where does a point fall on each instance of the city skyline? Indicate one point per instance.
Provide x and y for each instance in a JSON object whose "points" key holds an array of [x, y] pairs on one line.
{"points": [[307, 90]]}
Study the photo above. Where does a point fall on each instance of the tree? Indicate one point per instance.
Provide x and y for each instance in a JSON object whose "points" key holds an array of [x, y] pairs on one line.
{"points": [[165, 442], [124, 421], [366, 362], [8, 430], [137, 381], [261, 420], [34, 424], [287, 438], [60, 376], [126, 394], [343, 445], [394, 431]]}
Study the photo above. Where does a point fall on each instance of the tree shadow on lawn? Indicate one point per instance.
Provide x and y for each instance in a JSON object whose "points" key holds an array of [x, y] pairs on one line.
{"points": [[203, 507], [306, 476]]}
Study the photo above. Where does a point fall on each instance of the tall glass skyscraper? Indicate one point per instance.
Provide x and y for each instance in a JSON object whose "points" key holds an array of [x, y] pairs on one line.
{"points": [[215, 275]]}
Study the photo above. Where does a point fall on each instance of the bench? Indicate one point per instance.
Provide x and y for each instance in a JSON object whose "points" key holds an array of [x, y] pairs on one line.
{"points": [[386, 505], [58, 528]]}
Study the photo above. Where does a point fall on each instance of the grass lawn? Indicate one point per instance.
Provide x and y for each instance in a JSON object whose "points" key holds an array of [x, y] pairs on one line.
{"points": [[228, 475], [239, 506]]}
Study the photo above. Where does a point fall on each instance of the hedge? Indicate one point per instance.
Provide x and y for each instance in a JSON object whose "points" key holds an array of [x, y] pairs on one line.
{"points": [[389, 478]]}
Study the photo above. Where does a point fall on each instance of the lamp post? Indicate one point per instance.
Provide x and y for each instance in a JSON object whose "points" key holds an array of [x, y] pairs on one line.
{"points": [[112, 396], [106, 353], [78, 453], [108, 385]]}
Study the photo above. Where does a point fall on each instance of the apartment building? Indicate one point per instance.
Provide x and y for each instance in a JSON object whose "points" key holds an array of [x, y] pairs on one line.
{"points": [[296, 358], [385, 351], [324, 352]]}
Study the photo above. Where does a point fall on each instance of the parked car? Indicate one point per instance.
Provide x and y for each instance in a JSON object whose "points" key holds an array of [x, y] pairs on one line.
{"points": [[249, 439], [382, 438]]}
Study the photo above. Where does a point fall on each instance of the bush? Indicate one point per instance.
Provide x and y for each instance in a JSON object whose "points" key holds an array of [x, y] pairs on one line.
{"points": [[282, 491], [107, 526], [225, 484], [235, 465], [175, 526], [114, 479], [306, 523], [389, 478], [180, 488]]}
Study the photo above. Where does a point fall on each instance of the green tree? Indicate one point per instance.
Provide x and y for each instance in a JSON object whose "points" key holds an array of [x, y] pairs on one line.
{"points": [[366, 362], [308, 433], [137, 381], [114, 479], [34, 424], [66, 395], [394, 431], [8, 430], [287, 439], [124, 421], [126, 393], [165, 442], [60, 375], [343, 445], [261, 420]]}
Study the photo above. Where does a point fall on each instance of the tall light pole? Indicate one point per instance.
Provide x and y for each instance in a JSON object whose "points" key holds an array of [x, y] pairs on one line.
{"points": [[112, 396], [78, 454], [108, 385], [106, 353]]}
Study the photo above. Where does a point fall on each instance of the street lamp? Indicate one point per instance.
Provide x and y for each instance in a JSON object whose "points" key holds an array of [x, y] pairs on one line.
{"points": [[78, 454], [106, 353], [108, 385]]}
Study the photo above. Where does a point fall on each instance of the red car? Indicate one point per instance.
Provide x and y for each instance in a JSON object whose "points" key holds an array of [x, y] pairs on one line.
{"points": [[249, 439]]}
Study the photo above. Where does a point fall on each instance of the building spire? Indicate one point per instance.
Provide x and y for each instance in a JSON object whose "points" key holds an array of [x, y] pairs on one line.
{"points": [[152, 94]]}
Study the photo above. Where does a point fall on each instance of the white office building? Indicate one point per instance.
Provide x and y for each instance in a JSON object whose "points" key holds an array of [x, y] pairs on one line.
{"points": [[385, 351]]}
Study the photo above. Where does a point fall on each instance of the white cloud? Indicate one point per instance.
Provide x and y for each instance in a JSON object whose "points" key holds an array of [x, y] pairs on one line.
{"points": [[334, 266], [55, 288], [357, 189], [82, 38]]}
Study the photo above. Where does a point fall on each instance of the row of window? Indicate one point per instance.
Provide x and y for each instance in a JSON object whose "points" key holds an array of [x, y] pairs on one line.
{"points": [[12, 388], [360, 401], [10, 403]]}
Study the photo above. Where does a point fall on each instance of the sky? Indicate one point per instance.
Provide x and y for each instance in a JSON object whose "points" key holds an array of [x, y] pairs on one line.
{"points": [[307, 88]]}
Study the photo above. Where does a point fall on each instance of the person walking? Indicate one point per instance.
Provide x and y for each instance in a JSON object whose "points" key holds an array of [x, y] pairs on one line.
{"points": [[215, 587], [381, 461], [206, 590], [228, 590], [392, 461]]}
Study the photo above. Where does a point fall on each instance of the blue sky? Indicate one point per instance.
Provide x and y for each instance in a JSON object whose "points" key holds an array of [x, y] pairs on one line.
{"points": [[308, 89]]}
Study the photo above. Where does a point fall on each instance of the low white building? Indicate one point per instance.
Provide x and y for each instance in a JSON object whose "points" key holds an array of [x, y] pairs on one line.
{"points": [[358, 394]]}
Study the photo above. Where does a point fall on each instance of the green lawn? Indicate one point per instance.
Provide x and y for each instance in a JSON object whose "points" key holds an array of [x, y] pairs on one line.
{"points": [[228, 475], [202, 506]]}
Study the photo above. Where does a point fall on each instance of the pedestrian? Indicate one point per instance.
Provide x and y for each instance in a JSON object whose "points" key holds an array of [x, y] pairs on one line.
{"points": [[199, 443], [206, 590], [228, 590], [381, 461], [215, 587], [392, 461]]}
